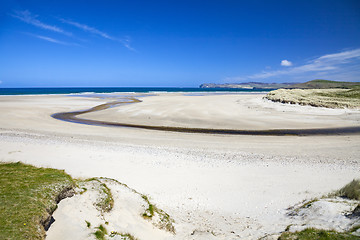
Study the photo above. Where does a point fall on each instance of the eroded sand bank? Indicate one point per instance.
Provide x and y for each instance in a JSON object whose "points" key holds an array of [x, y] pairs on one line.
{"points": [[214, 186]]}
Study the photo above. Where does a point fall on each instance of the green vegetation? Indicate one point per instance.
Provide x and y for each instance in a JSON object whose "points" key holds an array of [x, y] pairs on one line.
{"points": [[317, 234], [342, 94], [165, 221], [320, 93], [125, 236], [105, 202], [100, 233], [102, 228], [351, 190], [88, 224], [355, 228], [28, 196], [353, 88], [84, 189], [325, 84], [149, 212], [331, 98], [308, 204], [295, 210]]}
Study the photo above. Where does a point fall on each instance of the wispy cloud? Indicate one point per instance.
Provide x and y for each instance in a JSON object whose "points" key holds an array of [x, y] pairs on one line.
{"points": [[86, 28], [327, 64], [49, 39], [30, 18], [52, 40], [126, 42], [27, 17]]}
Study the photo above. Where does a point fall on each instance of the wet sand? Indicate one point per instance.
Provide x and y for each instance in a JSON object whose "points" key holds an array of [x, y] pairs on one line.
{"points": [[73, 117]]}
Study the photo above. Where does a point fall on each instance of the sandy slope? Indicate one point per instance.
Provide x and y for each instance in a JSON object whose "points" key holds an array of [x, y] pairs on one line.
{"points": [[220, 187]]}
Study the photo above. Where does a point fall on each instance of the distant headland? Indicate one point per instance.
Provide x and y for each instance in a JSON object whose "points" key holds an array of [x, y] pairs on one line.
{"points": [[317, 93], [314, 84], [248, 85]]}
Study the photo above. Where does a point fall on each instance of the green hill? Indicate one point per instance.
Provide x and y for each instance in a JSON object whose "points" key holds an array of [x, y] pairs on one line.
{"points": [[325, 84]]}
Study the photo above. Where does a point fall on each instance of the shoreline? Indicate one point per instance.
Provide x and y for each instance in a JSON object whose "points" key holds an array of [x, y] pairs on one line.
{"points": [[127, 90]]}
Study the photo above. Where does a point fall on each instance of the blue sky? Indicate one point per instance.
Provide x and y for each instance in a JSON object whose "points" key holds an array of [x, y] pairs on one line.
{"points": [[176, 43]]}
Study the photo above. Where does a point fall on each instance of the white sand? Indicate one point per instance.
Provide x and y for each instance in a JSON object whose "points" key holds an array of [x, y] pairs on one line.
{"points": [[125, 216], [232, 186], [226, 111]]}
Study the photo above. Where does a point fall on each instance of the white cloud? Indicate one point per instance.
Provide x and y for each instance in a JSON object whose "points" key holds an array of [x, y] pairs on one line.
{"points": [[326, 64], [52, 40], [27, 17], [341, 56], [49, 39], [286, 63], [126, 43], [86, 28]]}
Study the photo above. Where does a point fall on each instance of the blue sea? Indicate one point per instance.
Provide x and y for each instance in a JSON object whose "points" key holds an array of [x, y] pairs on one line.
{"points": [[77, 90]]}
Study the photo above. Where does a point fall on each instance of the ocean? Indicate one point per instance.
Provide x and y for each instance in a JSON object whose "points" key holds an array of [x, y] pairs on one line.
{"points": [[77, 90]]}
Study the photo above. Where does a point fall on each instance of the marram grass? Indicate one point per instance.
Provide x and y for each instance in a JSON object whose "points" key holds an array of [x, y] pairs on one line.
{"points": [[317, 234], [351, 190]]}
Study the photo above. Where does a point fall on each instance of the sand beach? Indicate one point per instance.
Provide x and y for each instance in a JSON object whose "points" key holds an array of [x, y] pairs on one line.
{"points": [[214, 186]]}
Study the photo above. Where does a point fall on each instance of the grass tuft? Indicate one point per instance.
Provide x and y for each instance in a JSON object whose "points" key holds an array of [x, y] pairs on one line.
{"points": [[102, 228], [99, 235], [354, 228], [149, 212], [125, 236], [105, 202], [166, 222], [88, 224], [351, 190], [317, 234], [101, 232]]}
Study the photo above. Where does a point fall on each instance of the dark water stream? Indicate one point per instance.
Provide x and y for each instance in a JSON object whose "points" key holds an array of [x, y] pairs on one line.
{"points": [[73, 117]]}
